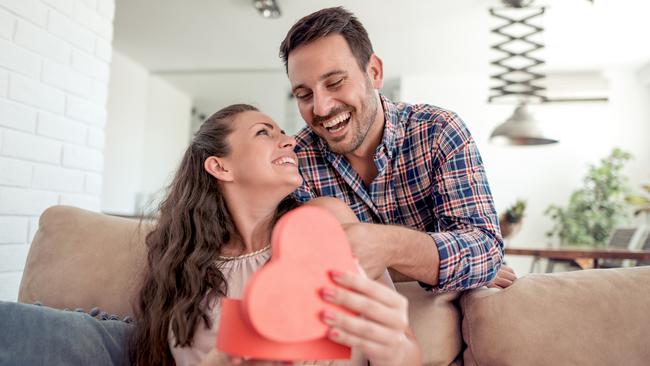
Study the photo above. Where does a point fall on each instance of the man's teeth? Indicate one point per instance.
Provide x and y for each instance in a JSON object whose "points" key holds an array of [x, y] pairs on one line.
{"points": [[284, 160], [335, 121]]}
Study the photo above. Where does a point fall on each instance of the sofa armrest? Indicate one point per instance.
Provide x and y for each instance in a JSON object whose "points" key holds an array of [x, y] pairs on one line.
{"points": [[83, 259], [592, 317]]}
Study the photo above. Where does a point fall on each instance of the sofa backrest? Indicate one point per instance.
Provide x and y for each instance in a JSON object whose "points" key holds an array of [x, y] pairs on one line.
{"points": [[82, 259]]}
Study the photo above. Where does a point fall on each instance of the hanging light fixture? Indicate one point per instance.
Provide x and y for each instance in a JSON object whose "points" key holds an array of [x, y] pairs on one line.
{"points": [[267, 8], [521, 129], [518, 80]]}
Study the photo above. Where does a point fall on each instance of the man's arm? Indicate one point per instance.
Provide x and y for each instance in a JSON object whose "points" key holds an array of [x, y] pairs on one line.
{"points": [[468, 239], [466, 251]]}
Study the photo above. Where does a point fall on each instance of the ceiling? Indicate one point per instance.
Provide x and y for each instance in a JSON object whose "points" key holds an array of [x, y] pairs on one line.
{"points": [[213, 37]]}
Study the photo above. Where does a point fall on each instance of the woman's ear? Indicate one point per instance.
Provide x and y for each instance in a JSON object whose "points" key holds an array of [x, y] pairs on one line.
{"points": [[216, 168], [375, 71]]}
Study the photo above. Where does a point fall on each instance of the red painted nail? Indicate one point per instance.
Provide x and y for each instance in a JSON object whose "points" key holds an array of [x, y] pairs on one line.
{"points": [[329, 316], [336, 275], [334, 334], [328, 293]]}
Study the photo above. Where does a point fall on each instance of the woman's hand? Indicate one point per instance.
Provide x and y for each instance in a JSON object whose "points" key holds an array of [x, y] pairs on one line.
{"points": [[380, 333], [505, 277], [217, 358]]}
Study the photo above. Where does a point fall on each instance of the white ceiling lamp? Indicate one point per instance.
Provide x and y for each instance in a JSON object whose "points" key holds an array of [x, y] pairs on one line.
{"points": [[521, 129], [267, 8], [519, 79]]}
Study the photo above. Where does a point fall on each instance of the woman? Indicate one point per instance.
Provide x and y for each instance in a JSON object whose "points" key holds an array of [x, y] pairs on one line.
{"points": [[213, 232]]}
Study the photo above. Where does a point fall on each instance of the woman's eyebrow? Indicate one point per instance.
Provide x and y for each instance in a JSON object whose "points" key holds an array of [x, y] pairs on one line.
{"points": [[263, 123]]}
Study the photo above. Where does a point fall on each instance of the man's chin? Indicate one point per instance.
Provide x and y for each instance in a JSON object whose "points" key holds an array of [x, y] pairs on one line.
{"points": [[339, 148]]}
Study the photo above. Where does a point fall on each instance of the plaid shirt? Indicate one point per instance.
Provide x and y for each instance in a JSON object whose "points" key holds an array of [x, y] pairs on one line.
{"points": [[430, 178]]}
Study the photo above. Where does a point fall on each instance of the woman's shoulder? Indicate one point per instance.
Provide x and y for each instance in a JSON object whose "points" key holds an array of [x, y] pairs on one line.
{"points": [[335, 206]]}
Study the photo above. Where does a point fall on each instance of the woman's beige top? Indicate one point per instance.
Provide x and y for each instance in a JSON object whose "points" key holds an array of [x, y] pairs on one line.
{"points": [[237, 271]]}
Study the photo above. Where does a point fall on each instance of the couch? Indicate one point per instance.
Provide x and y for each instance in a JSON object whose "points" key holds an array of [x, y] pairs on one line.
{"points": [[81, 259]]}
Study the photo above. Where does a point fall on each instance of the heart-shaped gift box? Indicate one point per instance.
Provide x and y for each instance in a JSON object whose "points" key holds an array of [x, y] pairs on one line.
{"points": [[279, 316]]}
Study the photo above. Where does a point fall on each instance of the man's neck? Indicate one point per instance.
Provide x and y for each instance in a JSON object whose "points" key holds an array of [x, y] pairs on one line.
{"points": [[363, 158]]}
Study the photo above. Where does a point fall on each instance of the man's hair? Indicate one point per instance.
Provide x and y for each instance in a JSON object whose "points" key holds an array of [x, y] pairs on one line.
{"points": [[327, 22]]}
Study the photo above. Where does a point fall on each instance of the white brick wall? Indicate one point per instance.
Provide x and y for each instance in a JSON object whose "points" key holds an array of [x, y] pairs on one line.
{"points": [[54, 73], [4, 83], [6, 24], [17, 116]]}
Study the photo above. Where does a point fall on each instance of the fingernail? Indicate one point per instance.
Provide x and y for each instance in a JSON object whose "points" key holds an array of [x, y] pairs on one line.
{"points": [[334, 334], [336, 275], [329, 317], [328, 293]]}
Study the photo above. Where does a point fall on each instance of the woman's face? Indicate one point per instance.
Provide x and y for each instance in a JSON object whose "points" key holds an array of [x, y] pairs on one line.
{"points": [[262, 155]]}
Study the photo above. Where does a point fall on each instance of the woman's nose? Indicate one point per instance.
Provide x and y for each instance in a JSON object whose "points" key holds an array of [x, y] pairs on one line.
{"points": [[287, 141]]}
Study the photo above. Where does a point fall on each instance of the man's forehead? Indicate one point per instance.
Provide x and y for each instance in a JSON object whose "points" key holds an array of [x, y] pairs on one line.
{"points": [[319, 58], [303, 73]]}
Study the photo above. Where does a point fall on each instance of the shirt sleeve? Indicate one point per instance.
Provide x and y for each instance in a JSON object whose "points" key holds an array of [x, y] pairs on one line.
{"points": [[468, 238], [303, 193]]}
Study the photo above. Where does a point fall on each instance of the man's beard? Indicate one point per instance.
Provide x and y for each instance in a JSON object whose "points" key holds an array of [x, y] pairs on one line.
{"points": [[363, 125]]}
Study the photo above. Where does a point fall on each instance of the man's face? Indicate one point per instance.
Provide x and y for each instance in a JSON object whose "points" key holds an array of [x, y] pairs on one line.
{"points": [[336, 98]]}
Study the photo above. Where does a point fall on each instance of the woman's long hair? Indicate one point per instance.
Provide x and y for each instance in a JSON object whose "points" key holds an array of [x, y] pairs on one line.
{"points": [[193, 226]]}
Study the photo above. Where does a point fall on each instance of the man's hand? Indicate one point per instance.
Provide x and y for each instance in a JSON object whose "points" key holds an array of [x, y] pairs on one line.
{"points": [[505, 277], [377, 247], [369, 247]]}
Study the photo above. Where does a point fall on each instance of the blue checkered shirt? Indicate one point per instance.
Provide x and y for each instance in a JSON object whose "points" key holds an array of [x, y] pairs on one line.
{"points": [[430, 178]]}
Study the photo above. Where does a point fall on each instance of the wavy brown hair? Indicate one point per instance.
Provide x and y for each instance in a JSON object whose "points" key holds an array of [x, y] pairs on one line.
{"points": [[193, 226]]}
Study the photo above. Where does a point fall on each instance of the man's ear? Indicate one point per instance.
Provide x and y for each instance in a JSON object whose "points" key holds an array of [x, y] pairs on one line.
{"points": [[375, 71], [216, 168]]}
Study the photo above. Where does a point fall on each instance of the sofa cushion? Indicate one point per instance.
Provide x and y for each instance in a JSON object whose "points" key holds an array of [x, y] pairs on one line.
{"points": [[592, 317], [435, 321], [82, 259]]}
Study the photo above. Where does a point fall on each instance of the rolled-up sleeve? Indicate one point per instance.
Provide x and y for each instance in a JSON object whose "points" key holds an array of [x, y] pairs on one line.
{"points": [[468, 238]]}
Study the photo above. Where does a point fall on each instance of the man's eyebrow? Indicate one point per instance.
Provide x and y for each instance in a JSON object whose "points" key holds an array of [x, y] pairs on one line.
{"points": [[322, 77]]}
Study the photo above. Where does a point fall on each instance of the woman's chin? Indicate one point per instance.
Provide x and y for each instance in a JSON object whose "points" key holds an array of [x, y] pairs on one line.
{"points": [[293, 184]]}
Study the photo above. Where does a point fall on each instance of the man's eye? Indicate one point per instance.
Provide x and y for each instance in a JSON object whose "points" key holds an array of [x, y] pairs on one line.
{"points": [[304, 96], [335, 84]]}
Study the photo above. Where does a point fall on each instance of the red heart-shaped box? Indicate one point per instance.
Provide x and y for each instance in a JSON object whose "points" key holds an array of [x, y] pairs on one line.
{"points": [[279, 317]]}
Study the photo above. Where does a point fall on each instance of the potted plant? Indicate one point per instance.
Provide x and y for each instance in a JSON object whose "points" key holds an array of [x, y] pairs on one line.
{"points": [[597, 208], [510, 219], [642, 203]]}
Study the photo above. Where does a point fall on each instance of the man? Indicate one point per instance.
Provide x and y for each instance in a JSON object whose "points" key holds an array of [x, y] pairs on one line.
{"points": [[415, 169]]}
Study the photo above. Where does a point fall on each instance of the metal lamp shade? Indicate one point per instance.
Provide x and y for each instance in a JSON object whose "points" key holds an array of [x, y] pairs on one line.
{"points": [[521, 129]]}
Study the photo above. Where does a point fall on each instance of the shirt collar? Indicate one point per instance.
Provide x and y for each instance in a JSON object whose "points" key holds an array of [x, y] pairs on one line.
{"points": [[391, 116]]}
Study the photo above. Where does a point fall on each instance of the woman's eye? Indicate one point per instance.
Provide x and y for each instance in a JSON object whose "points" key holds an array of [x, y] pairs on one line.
{"points": [[262, 132]]}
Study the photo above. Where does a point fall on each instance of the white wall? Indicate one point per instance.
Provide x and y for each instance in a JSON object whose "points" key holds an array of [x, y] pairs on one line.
{"points": [[545, 175], [267, 90], [54, 70], [167, 135], [127, 114], [147, 132]]}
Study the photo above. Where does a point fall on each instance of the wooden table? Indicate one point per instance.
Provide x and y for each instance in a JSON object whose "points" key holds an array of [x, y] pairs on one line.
{"points": [[580, 253]]}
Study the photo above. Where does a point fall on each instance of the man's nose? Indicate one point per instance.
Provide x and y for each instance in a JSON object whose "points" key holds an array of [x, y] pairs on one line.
{"points": [[323, 104]]}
